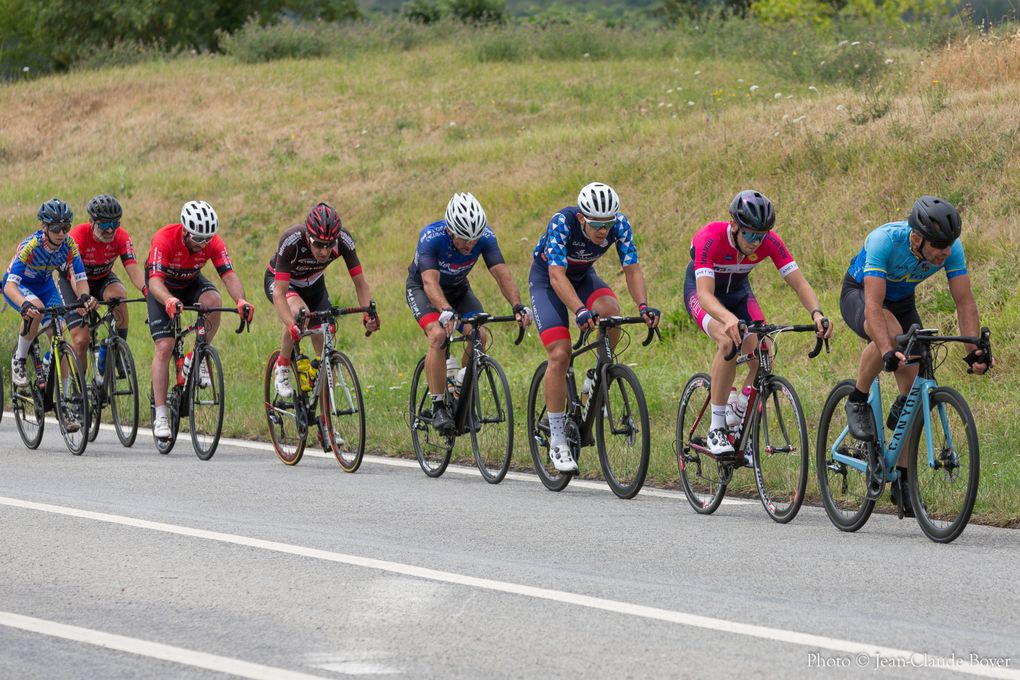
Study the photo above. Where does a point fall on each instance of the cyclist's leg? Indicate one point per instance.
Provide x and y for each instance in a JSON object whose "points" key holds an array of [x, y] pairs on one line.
{"points": [[427, 317], [599, 298], [24, 342], [203, 292], [467, 305], [316, 298], [551, 322], [110, 287], [161, 330], [75, 322]]}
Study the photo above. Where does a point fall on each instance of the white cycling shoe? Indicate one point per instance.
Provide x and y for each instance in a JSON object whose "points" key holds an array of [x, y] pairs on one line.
{"points": [[281, 376], [562, 459]]}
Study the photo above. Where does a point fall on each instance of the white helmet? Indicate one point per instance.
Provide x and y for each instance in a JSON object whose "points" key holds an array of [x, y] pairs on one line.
{"points": [[199, 219], [465, 217], [598, 201]]}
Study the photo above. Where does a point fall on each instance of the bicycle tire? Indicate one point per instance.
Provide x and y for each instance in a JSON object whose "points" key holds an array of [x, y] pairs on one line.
{"points": [[119, 361], [432, 449], [704, 492], [74, 404], [95, 396], [938, 522], [624, 472], [780, 472], [538, 436], [489, 411], [850, 509], [27, 404], [205, 436], [165, 446], [345, 412], [289, 449]]}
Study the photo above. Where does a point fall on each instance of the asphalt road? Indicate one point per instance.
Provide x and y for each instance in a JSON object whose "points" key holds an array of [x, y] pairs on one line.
{"points": [[123, 563]]}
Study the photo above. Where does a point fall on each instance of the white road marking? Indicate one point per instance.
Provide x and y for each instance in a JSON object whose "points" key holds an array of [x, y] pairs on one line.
{"points": [[707, 623], [152, 650]]}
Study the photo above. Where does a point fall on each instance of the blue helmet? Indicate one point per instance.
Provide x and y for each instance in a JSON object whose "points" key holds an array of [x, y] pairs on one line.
{"points": [[55, 211]]}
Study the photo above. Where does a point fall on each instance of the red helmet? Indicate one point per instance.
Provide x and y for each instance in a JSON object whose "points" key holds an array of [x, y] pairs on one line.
{"points": [[323, 223]]}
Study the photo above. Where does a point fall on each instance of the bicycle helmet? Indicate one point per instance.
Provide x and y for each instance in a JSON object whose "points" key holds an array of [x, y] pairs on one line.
{"points": [[199, 219], [935, 219], [323, 223], [465, 217], [104, 208], [55, 211], [752, 210], [598, 201]]}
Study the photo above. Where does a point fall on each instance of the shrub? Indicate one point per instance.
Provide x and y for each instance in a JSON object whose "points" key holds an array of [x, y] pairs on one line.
{"points": [[422, 11], [289, 39], [478, 11]]}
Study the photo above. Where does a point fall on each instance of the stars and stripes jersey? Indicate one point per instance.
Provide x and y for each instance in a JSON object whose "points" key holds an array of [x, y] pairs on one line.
{"points": [[436, 251], [170, 259], [293, 260], [98, 257], [565, 244], [886, 254], [715, 254], [33, 264]]}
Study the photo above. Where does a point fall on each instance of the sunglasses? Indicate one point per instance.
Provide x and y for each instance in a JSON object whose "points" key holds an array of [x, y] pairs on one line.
{"points": [[58, 227], [940, 245], [323, 245], [200, 241], [108, 226], [600, 225], [753, 236]]}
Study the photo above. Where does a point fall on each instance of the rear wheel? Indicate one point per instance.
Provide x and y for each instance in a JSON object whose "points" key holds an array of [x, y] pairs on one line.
{"points": [[344, 407], [206, 403], [943, 491], [121, 385], [173, 397], [780, 450], [431, 448], [28, 405], [492, 421], [71, 402], [700, 475], [287, 429], [538, 434], [844, 489], [95, 393], [622, 432]]}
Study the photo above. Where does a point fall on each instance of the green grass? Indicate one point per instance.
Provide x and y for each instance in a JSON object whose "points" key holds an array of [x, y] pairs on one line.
{"points": [[677, 128]]}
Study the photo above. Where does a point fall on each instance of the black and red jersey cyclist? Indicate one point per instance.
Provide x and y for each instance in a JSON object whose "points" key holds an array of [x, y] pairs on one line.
{"points": [[294, 279], [173, 273]]}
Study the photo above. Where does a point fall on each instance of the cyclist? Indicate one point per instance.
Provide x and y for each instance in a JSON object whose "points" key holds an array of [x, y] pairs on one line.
{"points": [[28, 282], [877, 301], [294, 279], [100, 242], [438, 289], [563, 278], [173, 272], [718, 296]]}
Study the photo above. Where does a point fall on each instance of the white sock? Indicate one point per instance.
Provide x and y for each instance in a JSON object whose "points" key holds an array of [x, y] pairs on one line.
{"points": [[162, 411], [22, 351], [556, 428], [718, 417]]}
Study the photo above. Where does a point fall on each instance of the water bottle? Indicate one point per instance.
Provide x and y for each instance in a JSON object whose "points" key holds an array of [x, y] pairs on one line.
{"points": [[185, 369], [586, 388], [452, 366], [458, 381], [894, 412], [303, 370], [101, 360], [313, 372], [44, 372]]}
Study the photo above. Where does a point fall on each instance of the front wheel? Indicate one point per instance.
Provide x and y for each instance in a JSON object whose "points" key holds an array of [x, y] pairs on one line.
{"points": [[700, 475], [28, 405], [780, 450], [432, 449], [173, 399], [492, 421], [72, 403], [538, 434], [622, 431], [206, 402], [344, 407], [943, 490], [95, 393], [121, 384], [843, 488], [288, 430]]}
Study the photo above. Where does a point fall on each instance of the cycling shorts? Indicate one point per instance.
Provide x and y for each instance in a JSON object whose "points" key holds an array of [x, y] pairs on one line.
{"points": [[551, 316]]}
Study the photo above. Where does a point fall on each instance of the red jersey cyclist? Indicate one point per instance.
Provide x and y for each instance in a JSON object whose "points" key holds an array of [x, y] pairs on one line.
{"points": [[174, 275], [718, 296], [294, 280]]}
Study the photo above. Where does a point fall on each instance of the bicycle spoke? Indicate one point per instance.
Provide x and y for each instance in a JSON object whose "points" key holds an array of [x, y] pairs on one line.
{"points": [[492, 435], [206, 403], [343, 405], [623, 446], [781, 460]]}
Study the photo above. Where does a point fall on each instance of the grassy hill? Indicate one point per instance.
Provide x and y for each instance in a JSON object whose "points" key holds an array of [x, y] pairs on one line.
{"points": [[676, 127]]}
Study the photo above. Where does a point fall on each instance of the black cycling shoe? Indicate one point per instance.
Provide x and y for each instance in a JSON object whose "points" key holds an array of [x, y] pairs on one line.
{"points": [[894, 495], [860, 421], [441, 419]]}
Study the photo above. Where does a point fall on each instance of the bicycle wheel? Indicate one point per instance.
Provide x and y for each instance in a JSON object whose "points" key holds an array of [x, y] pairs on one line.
{"points": [[164, 446], [3, 404], [287, 430], [538, 434], [431, 448], [844, 490], [623, 434], [700, 475], [27, 404], [780, 450], [121, 383], [71, 401], [206, 403], [492, 426], [95, 396], [344, 406], [943, 491]]}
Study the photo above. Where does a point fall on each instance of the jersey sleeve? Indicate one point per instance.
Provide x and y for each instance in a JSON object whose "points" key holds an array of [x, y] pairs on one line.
{"points": [[428, 253], [217, 252], [557, 235], [75, 266], [701, 254], [126, 248], [490, 249], [877, 249], [283, 259], [158, 253], [625, 241], [780, 255], [956, 263], [21, 260], [349, 253]]}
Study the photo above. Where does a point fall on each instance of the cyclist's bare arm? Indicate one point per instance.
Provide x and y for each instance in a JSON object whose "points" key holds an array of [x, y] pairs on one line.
{"points": [[967, 313], [362, 290], [280, 303], [157, 287], [234, 286], [136, 275], [564, 291], [710, 303], [430, 280], [874, 318], [636, 283], [807, 296], [507, 285]]}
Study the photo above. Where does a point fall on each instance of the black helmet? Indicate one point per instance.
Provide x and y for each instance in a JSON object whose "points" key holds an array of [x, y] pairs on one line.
{"points": [[104, 207], [55, 211], [751, 210], [935, 219]]}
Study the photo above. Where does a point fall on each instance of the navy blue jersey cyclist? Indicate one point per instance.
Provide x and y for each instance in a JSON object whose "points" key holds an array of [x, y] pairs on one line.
{"points": [[438, 289], [563, 282]]}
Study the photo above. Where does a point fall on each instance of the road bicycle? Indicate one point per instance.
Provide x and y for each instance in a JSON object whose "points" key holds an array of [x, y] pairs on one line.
{"points": [[328, 384], [481, 406], [613, 415], [771, 437], [55, 383], [191, 396], [934, 427], [117, 384]]}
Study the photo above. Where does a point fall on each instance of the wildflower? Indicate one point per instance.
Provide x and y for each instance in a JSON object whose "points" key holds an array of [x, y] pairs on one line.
{"points": [[753, 88], [777, 95]]}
